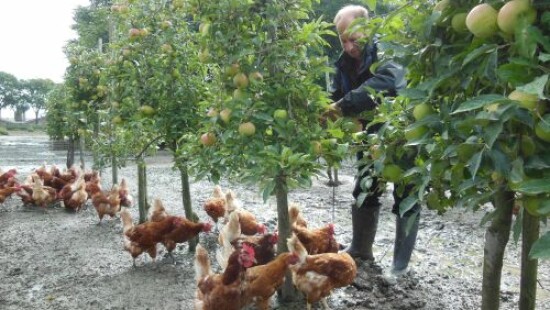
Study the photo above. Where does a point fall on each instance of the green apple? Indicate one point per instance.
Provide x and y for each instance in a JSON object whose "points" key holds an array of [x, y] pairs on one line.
{"points": [[240, 80], [512, 11], [225, 115], [392, 173], [247, 129], [482, 21], [415, 133], [280, 114], [422, 110], [458, 22]]}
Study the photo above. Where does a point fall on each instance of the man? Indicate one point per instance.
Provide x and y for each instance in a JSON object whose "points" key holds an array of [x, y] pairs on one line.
{"points": [[352, 88]]}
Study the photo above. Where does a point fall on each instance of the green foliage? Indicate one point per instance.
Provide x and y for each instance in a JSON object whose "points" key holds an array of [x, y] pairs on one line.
{"points": [[277, 40], [154, 79], [3, 131]]}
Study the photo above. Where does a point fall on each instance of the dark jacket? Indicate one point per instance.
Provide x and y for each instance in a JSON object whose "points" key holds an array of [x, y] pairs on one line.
{"points": [[388, 78]]}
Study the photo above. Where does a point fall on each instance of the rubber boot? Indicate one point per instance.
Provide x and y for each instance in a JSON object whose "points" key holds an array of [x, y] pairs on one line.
{"points": [[406, 230], [364, 224]]}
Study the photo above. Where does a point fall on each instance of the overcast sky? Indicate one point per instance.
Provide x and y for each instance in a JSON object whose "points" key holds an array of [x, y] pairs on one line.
{"points": [[32, 36]]}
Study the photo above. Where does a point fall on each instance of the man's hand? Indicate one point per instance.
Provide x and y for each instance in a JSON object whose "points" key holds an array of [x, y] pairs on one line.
{"points": [[332, 112]]}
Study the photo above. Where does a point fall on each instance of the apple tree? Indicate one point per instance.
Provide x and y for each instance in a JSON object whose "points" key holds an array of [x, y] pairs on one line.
{"points": [[261, 118], [155, 82], [470, 129]]}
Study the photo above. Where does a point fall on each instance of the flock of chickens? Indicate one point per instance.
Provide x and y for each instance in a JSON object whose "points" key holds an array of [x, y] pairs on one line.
{"points": [[46, 186], [251, 272]]}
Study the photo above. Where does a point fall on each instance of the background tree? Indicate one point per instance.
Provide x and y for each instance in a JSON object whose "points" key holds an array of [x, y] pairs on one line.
{"points": [[37, 90], [9, 90]]}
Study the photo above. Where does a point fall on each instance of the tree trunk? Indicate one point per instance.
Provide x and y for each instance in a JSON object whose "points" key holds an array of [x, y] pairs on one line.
{"points": [[496, 238], [96, 138], [187, 206], [287, 291], [142, 189], [528, 282], [114, 169], [70, 152], [36, 116], [81, 151]]}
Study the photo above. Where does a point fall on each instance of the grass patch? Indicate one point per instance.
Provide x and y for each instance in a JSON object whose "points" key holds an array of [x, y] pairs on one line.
{"points": [[3, 131]]}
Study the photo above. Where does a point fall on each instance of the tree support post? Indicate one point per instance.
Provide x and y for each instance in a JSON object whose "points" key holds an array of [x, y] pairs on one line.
{"points": [[529, 267], [496, 238], [287, 292], [187, 206]]}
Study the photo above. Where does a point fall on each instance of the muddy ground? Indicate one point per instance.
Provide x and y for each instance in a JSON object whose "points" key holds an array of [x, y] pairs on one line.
{"points": [[61, 260]]}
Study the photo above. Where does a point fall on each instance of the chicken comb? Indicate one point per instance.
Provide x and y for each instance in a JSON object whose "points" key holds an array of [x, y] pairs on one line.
{"points": [[248, 249]]}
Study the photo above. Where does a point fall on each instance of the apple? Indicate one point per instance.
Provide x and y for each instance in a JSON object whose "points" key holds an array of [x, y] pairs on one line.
{"points": [[527, 146], [166, 48], [144, 32], [316, 147], [115, 104], [134, 33], [482, 21], [225, 115], [239, 94], [375, 151], [208, 139], [117, 120], [256, 76], [126, 52], [240, 80], [512, 11], [458, 22], [526, 100], [233, 69], [280, 114], [147, 110], [247, 129], [415, 133], [204, 55], [166, 24], [212, 112], [177, 4], [441, 5], [532, 204], [204, 27], [422, 110], [543, 130], [392, 173]]}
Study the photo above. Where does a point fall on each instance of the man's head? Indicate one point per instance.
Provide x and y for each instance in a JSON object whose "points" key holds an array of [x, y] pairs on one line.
{"points": [[343, 20]]}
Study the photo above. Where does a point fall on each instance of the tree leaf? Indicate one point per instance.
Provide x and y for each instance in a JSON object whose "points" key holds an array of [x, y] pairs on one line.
{"points": [[413, 93], [543, 57], [541, 248], [371, 4], [534, 187], [407, 204], [478, 52], [518, 225], [536, 87], [492, 132], [474, 163], [360, 199], [478, 102]]}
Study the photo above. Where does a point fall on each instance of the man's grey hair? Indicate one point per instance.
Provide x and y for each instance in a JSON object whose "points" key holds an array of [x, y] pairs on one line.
{"points": [[354, 11]]}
